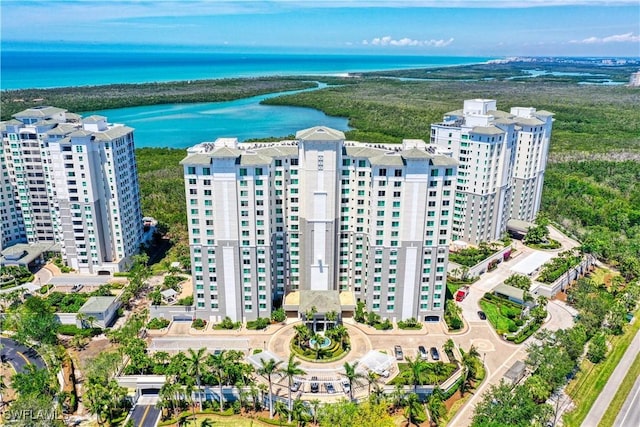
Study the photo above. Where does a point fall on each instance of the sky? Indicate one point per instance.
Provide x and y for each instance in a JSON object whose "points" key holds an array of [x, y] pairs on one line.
{"points": [[419, 27]]}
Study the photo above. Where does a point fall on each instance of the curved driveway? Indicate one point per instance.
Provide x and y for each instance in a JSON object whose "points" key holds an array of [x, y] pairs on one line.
{"points": [[18, 355]]}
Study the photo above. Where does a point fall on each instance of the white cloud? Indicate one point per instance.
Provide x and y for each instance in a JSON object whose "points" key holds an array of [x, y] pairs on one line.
{"points": [[616, 38], [405, 41]]}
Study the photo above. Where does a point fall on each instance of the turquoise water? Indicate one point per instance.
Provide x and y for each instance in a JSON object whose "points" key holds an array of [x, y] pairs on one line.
{"points": [[61, 65], [184, 125]]}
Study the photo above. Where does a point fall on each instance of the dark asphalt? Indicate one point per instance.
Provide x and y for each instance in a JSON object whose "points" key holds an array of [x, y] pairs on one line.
{"points": [[19, 355], [145, 415]]}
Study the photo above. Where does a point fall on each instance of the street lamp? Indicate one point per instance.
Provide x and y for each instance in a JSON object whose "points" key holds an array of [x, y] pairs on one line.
{"points": [[264, 345]]}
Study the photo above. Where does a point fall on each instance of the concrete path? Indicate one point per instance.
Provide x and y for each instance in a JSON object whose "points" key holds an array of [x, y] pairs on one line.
{"points": [[629, 414], [603, 401]]}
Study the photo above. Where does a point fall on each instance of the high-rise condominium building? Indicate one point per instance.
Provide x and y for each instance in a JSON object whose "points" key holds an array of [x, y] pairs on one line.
{"points": [[502, 159], [322, 221], [71, 181]]}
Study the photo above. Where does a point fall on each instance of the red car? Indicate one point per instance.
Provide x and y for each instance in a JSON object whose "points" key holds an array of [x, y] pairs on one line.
{"points": [[462, 293]]}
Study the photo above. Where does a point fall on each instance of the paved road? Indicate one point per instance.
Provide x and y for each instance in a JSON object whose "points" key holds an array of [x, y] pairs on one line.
{"points": [[145, 415], [19, 355], [606, 395], [629, 414]]}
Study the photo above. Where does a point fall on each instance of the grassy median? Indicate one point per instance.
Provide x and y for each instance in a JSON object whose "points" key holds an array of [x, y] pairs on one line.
{"points": [[621, 395]]}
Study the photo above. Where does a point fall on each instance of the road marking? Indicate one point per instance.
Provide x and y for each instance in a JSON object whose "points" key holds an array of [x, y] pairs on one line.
{"points": [[631, 405], [146, 411], [24, 357]]}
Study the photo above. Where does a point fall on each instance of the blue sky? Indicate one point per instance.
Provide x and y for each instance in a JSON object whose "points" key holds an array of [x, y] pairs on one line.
{"points": [[464, 27]]}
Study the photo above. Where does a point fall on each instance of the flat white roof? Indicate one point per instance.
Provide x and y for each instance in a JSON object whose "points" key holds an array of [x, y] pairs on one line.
{"points": [[532, 263]]}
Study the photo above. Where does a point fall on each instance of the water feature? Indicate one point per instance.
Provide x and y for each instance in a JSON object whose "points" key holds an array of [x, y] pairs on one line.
{"points": [[326, 342], [184, 125]]}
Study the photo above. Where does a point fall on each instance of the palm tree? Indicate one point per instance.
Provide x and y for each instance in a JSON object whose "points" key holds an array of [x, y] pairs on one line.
{"points": [[188, 391], [281, 410], [302, 333], [436, 408], [352, 376], [218, 363], [91, 320], [161, 357], [300, 413], [207, 422], [416, 368], [317, 343], [315, 405], [448, 347], [168, 394], [413, 409], [291, 369], [267, 369], [194, 361], [371, 378], [438, 369], [82, 318]]}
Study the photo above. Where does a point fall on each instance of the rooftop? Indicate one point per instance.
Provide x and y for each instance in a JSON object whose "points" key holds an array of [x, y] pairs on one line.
{"points": [[44, 111], [97, 305]]}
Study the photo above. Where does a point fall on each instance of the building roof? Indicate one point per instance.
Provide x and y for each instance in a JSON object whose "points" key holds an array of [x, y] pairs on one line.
{"points": [[387, 160], [519, 225], [320, 133], [97, 305], [196, 159], [516, 371], [225, 153], [25, 253], [528, 122], [323, 301], [443, 161], [509, 291], [43, 111], [94, 119], [487, 130], [544, 113], [532, 262], [113, 133], [415, 153], [250, 159], [168, 293], [80, 133]]}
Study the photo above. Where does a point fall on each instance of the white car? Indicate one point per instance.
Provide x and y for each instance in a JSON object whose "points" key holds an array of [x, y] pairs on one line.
{"points": [[346, 386]]}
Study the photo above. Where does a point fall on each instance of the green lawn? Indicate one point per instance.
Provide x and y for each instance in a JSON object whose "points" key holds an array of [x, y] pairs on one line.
{"points": [[428, 376], [227, 421], [589, 382], [621, 395], [499, 322]]}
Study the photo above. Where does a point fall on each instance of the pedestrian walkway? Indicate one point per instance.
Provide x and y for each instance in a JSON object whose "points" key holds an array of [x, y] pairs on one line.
{"points": [[603, 401]]}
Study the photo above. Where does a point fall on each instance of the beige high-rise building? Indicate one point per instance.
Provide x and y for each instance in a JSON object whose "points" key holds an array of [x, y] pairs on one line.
{"points": [[502, 159], [71, 181], [343, 221]]}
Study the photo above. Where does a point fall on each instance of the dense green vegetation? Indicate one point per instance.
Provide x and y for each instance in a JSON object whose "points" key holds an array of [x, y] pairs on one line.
{"points": [[90, 98], [598, 118], [598, 201]]}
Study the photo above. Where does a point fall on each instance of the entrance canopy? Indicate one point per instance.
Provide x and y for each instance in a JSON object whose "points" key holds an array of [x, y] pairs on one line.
{"points": [[378, 362], [531, 263]]}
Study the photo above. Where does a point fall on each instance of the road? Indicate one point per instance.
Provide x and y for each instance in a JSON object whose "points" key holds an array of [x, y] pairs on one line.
{"points": [[145, 415], [19, 356], [629, 414], [603, 401]]}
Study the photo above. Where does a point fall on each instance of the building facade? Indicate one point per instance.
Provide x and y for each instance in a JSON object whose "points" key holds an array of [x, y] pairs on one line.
{"points": [[502, 160], [74, 182], [371, 222]]}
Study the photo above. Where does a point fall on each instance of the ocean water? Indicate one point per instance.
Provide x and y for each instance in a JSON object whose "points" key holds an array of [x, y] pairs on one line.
{"points": [[60, 65], [184, 125]]}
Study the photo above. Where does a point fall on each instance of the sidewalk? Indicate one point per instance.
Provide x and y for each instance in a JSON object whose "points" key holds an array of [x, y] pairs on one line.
{"points": [[603, 401]]}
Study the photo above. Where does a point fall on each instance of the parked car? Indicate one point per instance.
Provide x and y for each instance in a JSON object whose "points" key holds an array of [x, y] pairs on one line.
{"points": [[462, 293], [482, 316], [346, 386], [77, 287], [434, 353], [315, 387], [295, 386], [398, 352], [423, 352], [330, 388]]}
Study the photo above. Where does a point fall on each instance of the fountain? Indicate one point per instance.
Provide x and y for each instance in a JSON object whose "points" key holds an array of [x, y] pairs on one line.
{"points": [[326, 342]]}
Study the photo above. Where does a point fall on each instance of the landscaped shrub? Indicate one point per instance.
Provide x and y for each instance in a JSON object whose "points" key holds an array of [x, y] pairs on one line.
{"points": [[471, 256], [173, 282], [279, 315], [555, 268], [259, 323], [410, 324], [227, 323], [199, 324], [384, 326], [66, 303], [185, 301], [158, 323], [73, 330]]}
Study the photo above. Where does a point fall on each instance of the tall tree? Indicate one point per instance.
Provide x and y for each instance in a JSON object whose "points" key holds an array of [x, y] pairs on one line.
{"points": [[413, 410], [268, 368], [195, 361], [290, 370], [352, 375], [416, 368], [218, 363]]}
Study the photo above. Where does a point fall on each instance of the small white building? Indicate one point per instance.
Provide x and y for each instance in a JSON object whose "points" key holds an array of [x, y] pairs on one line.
{"points": [[103, 309]]}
